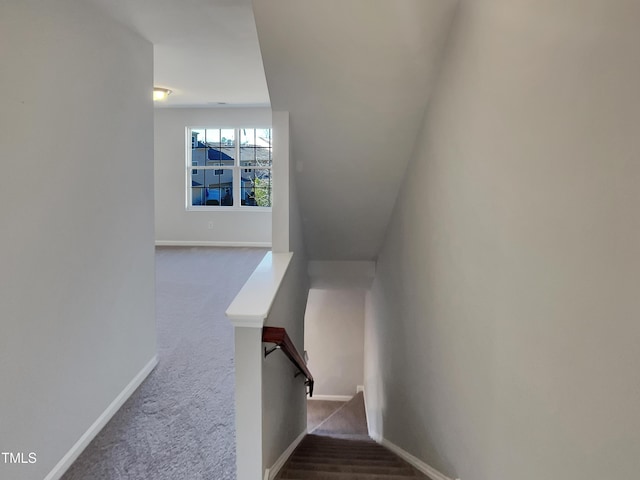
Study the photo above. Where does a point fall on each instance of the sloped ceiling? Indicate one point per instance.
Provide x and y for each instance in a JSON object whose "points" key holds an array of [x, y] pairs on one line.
{"points": [[355, 76]]}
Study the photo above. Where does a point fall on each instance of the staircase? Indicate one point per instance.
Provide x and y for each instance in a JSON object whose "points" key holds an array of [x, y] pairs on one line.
{"points": [[340, 449]]}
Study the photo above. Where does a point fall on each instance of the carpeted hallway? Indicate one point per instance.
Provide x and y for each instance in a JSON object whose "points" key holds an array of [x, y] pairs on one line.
{"points": [[180, 423]]}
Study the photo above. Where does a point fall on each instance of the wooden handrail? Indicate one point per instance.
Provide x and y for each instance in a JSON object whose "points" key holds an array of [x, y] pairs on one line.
{"points": [[279, 336]]}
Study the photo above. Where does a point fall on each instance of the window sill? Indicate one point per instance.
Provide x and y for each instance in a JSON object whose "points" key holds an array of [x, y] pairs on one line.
{"points": [[228, 209]]}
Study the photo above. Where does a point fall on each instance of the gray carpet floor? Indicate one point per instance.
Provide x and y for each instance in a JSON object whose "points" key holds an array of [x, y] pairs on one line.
{"points": [[180, 423], [349, 421], [319, 410]]}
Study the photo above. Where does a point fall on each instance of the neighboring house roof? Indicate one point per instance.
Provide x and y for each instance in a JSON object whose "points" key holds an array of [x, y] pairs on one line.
{"points": [[215, 154]]}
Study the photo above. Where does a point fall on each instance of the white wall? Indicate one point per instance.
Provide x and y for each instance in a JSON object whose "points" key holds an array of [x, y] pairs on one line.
{"points": [[334, 339], [275, 295], [248, 311], [353, 75], [174, 224], [76, 208], [341, 274], [286, 221], [502, 327], [284, 404], [284, 407]]}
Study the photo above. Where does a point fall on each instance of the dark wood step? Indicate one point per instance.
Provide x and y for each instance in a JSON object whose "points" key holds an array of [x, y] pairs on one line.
{"points": [[293, 473], [348, 460], [397, 469]]}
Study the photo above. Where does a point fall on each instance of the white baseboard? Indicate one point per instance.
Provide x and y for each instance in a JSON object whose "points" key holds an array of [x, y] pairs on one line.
{"points": [[359, 388], [198, 243], [270, 473], [332, 398], [102, 420], [428, 470]]}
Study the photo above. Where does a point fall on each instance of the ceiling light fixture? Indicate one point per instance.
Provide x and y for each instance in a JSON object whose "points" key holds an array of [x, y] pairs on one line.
{"points": [[160, 94]]}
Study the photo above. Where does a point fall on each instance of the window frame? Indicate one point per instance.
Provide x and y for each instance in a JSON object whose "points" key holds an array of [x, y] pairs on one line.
{"points": [[236, 168]]}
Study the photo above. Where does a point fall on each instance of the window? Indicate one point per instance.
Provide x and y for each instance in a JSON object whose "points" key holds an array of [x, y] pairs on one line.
{"points": [[229, 168]]}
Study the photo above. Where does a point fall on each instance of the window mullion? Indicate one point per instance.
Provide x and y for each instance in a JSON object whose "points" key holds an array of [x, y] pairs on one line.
{"points": [[188, 181], [236, 171]]}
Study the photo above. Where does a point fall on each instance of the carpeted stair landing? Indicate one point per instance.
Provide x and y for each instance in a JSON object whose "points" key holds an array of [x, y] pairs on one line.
{"points": [[338, 450]]}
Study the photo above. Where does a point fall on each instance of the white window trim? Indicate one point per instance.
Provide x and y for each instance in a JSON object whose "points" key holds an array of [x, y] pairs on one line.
{"points": [[237, 206]]}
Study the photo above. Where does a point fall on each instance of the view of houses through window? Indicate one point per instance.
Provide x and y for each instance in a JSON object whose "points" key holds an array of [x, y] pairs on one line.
{"points": [[229, 167]]}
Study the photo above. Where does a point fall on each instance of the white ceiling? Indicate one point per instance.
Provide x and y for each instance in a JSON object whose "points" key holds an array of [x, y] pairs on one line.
{"points": [[355, 76], [205, 51]]}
